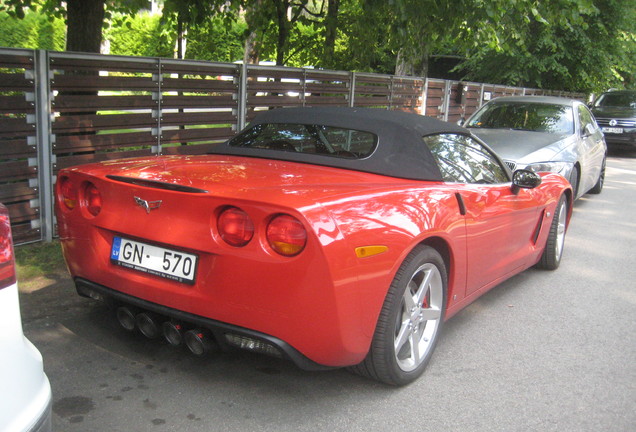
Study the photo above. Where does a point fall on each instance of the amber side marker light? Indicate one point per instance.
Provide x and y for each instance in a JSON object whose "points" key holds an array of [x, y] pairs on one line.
{"points": [[286, 235], [367, 251]]}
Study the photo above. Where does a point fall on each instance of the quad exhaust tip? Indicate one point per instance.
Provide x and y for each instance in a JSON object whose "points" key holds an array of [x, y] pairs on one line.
{"points": [[172, 332], [200, 342], [126, 318], [148, 324]]}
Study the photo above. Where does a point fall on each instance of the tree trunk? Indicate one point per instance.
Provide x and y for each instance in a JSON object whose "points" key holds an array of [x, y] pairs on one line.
{"points": [[251, 51], [252, 47], [282, 6], [331, 32], [404, 63], [84, 20], [181, 37], [412, 62]]}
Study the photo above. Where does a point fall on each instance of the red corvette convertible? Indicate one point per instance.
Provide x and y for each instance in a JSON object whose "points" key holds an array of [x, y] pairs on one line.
{"points": [[328, 236]]}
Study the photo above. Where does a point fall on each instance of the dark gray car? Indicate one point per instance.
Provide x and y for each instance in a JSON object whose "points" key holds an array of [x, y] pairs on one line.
{"points": [[543, 133], [615, 113]]}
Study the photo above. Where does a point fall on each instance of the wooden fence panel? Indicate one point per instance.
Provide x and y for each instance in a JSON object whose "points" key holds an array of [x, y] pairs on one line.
{"points": [[435, 98], [18, 150], [324, 88], [102, 107], [199, 105], [473, 99], [372, 92]]}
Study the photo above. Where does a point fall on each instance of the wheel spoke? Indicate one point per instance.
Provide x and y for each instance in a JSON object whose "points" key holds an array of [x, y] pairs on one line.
{"points": [[402, 336], [409, 301], [416, 354], [423, 288]]}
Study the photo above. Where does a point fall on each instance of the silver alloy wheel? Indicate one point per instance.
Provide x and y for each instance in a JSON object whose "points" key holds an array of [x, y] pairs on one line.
{"points": [[420, 317], [561, 227]]}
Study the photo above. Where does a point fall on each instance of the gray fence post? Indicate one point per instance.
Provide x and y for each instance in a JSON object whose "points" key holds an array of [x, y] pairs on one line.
{"points": [[157, 113], [242, 98], [45, 142], [446, 100], [352, 90], [424, 97]]}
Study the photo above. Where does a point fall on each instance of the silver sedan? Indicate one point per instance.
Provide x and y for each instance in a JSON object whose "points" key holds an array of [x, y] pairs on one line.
{"points": [[543, 133]]}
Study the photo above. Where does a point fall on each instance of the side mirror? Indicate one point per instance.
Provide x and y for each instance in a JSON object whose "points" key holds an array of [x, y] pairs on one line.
{"points": [[588, 130], [525, 179]]}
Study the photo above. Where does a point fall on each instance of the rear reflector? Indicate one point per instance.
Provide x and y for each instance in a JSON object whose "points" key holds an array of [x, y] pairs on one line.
{"points": [[251, 344]]}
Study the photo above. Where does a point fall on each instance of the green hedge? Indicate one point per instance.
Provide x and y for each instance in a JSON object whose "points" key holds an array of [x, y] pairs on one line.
{"points": [[35, 31]]}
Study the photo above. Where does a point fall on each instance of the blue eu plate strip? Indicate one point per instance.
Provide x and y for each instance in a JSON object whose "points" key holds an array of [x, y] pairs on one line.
{"points": [[114, 253]]}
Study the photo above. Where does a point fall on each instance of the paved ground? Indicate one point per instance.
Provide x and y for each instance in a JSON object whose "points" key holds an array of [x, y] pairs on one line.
{"points": [[545, 351]]}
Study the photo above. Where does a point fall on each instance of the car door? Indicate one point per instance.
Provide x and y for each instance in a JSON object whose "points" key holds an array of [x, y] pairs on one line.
{"points": [[592, 148], [500, 228], [500, 223]]}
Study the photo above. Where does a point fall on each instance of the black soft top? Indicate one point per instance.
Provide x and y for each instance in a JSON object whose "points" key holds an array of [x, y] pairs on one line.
{"points": [[400, 150]]}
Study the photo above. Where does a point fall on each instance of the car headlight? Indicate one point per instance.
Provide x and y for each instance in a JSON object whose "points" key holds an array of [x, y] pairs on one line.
{"points": [[563, 168]]}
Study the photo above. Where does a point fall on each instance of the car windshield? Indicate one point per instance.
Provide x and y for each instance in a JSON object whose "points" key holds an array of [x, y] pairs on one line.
{"points": [[308, 138], [623, 100], [537, 117]]}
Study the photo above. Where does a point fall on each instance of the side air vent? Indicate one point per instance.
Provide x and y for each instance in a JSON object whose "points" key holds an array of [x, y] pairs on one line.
{"points": [[156, 184]]}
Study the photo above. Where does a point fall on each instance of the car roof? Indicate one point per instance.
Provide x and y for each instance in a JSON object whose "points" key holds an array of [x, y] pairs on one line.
{"points": [[536, 99], [620, 91], [400, 151]]}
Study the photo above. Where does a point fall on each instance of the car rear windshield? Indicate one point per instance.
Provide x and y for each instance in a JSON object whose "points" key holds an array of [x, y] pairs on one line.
{"points": [[537, 117], [308, 138], [624, 100]]}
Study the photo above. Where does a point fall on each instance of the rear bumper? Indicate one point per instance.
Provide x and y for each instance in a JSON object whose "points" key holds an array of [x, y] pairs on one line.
{"points": [[25, 398], [219, 329], [44, 423]]}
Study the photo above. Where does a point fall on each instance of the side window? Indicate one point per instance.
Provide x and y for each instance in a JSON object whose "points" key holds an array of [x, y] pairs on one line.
{"points": [[308, 138], [585, 117], [461, 159]]}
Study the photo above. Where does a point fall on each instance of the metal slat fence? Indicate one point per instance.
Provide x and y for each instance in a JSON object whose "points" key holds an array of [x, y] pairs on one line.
{"points": [[63, 109]]}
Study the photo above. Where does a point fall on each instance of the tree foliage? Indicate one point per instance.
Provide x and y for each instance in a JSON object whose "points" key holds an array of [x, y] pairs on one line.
{"points": [[216, 40], [84, 18], [139, 35], [579, 45], [563, 44]]}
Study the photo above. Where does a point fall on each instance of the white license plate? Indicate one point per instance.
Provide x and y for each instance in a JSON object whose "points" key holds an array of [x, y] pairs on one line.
{"points": [[612, 130], [171, 264]]}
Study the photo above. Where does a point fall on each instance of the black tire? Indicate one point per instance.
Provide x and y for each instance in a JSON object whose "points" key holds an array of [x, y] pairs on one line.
{"points": [[574, 181], [598, 187], [413, 311], [551, 257]]}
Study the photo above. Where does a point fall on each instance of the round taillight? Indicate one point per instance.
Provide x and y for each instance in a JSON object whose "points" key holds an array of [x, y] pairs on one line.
{"points": [[92, 199], [235, 227], [68, 193], [286, 235]]}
